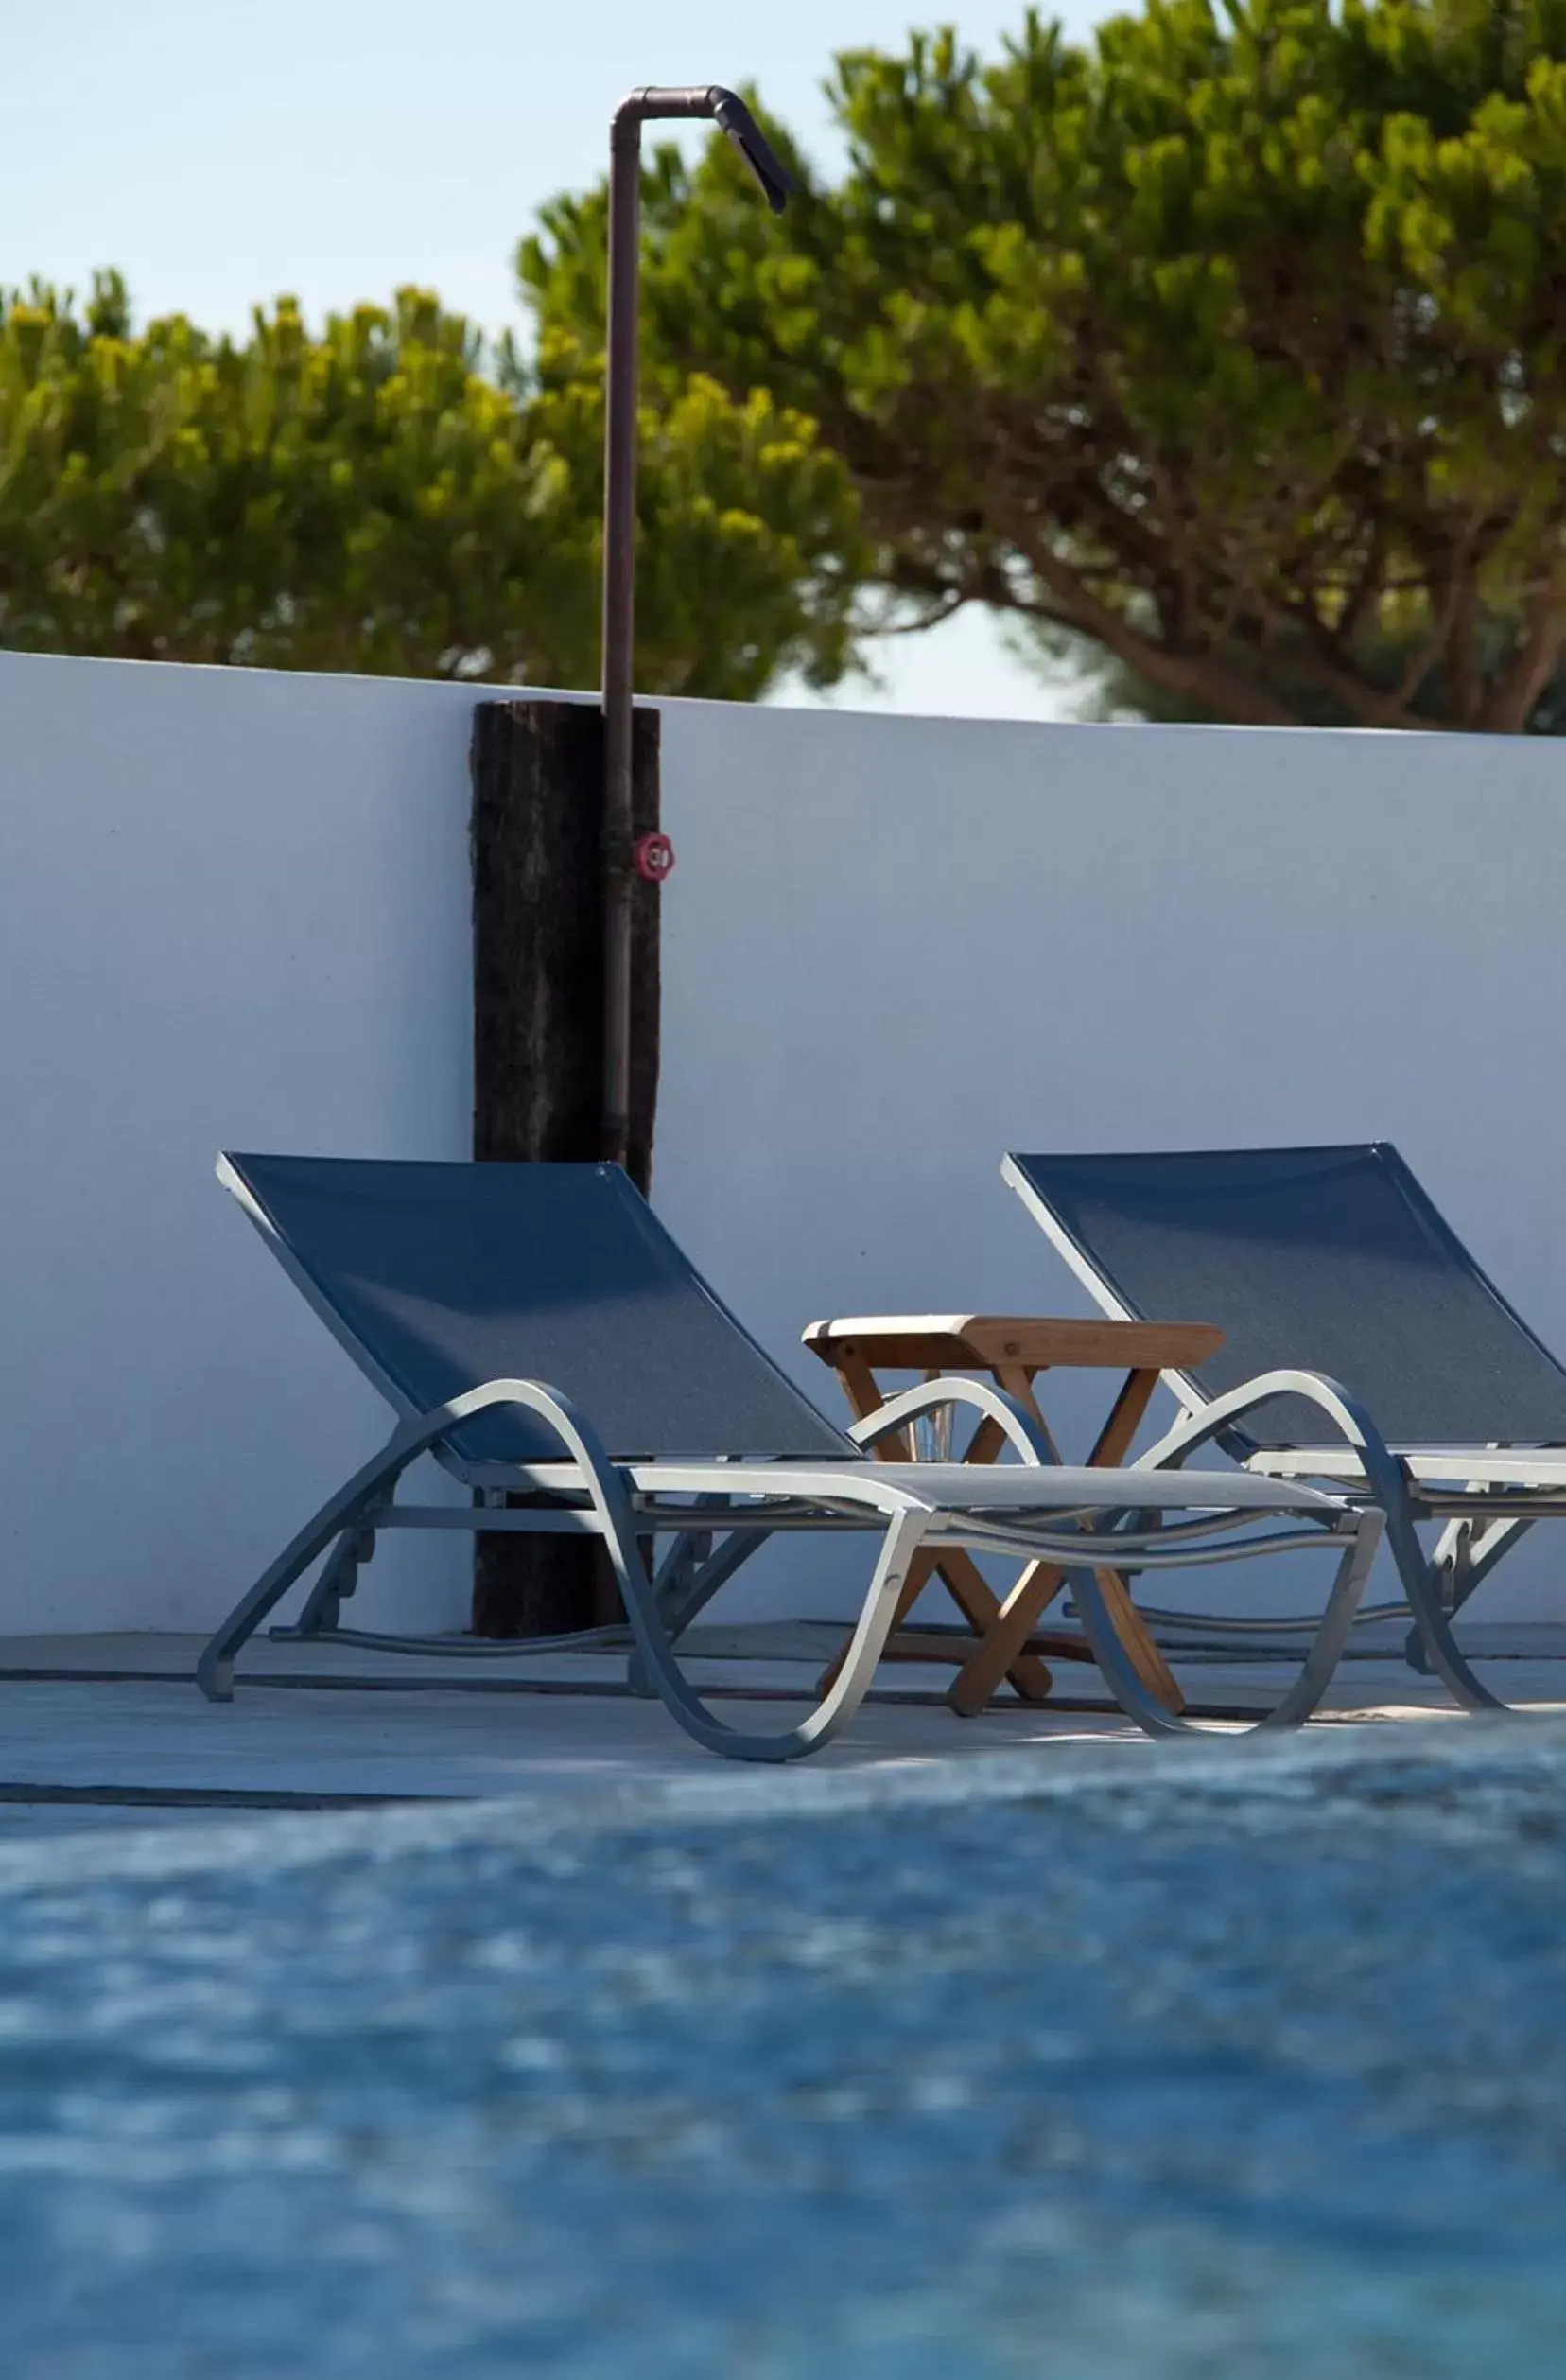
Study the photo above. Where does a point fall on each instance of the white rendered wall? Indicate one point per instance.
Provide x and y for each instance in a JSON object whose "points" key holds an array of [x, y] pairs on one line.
{"points": [[233, 908]]}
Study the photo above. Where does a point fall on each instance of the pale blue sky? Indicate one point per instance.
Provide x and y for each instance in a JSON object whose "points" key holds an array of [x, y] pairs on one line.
{"points": [[221, 152]]}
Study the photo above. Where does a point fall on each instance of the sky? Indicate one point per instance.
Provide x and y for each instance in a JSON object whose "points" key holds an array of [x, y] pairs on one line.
{"points": [[222, 152]]}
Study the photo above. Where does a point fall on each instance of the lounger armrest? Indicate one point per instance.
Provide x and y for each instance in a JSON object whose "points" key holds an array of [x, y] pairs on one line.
{"points": [[1343, 1410], [930, 1396]]}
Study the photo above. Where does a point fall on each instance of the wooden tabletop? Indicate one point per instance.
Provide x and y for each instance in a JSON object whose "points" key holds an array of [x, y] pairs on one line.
{"points": [[951, 1343]]}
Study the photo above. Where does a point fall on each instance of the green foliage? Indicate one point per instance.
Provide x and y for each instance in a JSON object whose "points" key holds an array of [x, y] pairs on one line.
{"points": [[370, 500], [1233, 342]]}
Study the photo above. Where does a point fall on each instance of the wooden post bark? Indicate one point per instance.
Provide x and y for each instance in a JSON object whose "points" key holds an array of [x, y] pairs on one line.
{"points": [[538, 1036]]}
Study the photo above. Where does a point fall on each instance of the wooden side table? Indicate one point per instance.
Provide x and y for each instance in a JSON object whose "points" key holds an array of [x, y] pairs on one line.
{"points": [[1011, 1350]]}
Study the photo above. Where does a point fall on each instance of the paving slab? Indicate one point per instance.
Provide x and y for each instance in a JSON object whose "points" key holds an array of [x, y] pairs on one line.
{"points": [[113, 1729], [339, 1746]]}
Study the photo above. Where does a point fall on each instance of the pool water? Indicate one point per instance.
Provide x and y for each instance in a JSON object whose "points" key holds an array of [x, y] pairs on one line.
{"points": [[1244, 2061]]}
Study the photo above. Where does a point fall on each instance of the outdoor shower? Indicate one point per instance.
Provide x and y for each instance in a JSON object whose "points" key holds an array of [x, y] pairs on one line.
{"points": [[623, 858]]}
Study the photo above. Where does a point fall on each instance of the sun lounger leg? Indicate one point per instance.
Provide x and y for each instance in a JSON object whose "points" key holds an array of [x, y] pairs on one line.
{"points": [[343, 1512], [691, 1574], [1137, 1701], [835, 1709], [1432, 1631], [338, 1578], [214, 1670], [1387, 1487]]}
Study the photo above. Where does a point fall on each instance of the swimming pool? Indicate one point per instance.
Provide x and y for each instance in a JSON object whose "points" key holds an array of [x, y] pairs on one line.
{"points": [[1244, 2060]]}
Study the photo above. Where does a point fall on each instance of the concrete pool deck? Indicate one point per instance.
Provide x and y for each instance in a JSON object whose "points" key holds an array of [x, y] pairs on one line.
{"points": [[112, 1730]]}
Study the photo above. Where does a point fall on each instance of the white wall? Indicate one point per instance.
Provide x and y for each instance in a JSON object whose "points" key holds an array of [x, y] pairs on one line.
{"points": [[233, 908]]}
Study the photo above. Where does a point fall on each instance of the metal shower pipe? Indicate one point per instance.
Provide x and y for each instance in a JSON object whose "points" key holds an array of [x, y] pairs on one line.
{"points": [[726, 109]]}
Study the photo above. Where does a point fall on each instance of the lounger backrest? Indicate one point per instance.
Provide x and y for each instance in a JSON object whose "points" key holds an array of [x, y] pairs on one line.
{"points": [[439, 1277], [1331, 1260]]}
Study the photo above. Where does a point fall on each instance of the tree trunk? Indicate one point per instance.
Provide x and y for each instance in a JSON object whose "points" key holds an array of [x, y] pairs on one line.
{"points": [[538, 1038]]}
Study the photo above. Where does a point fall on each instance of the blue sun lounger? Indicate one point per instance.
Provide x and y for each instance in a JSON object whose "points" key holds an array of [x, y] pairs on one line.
{"points": [[536, 1329], [1333, 1258]]}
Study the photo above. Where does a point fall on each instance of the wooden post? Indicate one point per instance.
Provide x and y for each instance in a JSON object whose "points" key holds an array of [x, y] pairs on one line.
{"points": [[538, 1036]]}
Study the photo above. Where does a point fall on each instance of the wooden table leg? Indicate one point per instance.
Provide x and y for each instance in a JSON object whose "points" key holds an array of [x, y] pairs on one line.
{"points": [[985, 1668], [979, 1606], [975, 1683]]}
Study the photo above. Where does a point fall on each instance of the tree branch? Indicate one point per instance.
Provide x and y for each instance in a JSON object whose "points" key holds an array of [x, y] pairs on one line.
{"points": [[1514, 692], [1201, 677]]}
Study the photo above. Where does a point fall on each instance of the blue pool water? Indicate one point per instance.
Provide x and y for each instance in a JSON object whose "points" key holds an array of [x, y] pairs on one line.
{"points": [[1164, 2065]]}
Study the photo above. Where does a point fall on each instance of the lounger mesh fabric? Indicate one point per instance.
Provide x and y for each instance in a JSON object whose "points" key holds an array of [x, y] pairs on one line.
{"points": [[1329, 1259], [444, 1276]]}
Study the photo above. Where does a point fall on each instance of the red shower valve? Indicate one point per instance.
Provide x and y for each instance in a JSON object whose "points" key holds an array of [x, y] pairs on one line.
{"points": [[655, 857]]}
